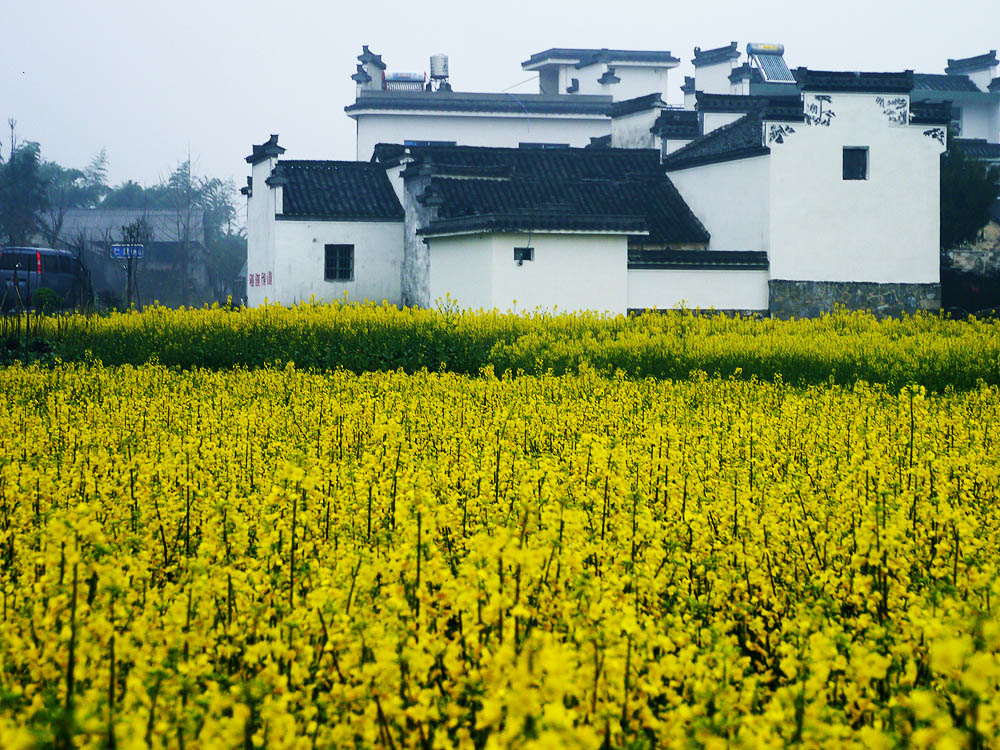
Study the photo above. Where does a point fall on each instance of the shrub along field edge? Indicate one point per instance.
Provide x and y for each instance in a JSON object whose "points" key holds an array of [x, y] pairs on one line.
{"points": [[843, 347]]}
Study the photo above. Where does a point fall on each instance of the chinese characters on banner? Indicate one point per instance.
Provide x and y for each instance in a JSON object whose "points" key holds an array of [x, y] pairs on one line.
{"points": [[259, 279]]}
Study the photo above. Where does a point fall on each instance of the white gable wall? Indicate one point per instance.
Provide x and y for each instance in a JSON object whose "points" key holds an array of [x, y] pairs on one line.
{"points": [[300, 260], [715, 120], [488, 129], [714, 79], [261, 207], [633, 130], [883, 229], [732, 200]]}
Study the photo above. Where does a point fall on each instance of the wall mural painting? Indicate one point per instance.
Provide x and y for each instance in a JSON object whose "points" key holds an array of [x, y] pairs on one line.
{"points": [[895, 108], [777, 133], [816, 113], [938, 134]]}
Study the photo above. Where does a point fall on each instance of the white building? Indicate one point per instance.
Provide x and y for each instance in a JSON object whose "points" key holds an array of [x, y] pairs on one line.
{"points": [[576, 90], [771, 191], [842, 194], [327, 230]]}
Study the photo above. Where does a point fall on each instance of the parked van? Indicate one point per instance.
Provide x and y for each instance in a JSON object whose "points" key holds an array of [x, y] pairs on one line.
{"points": [[24, 269]]}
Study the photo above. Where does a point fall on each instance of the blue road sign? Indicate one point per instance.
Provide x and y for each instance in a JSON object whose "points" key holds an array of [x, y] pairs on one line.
{"points": [[126, 251]]}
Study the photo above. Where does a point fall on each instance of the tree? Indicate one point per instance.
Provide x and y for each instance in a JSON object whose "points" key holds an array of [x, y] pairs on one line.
{"points": [[968, 189], [22, 195]]}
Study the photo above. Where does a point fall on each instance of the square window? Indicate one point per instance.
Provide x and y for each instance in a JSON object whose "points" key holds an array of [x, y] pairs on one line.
{"points": [[522, 254], [339, 263], [855, 163]]}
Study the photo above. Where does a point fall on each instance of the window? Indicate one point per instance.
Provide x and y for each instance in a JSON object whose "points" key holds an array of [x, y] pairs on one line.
{"points": [[956, 120], [20, 261], [339, 264], [855, 163], [522, 254]]}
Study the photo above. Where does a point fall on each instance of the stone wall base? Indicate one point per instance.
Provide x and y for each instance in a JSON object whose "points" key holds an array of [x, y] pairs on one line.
{"points": [[810, 299]]}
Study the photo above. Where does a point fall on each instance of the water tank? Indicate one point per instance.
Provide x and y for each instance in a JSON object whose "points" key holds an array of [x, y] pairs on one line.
{"points": [[765, 49], [439, 67]]}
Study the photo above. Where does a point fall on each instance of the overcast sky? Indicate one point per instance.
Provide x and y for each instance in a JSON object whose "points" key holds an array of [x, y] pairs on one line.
{"points": [[151, 81]]}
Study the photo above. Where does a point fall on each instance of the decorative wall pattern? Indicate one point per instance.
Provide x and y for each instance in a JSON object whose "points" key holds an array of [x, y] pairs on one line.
{"points": [[777, 133], [817, 112], [895, 108], [938, 134]]}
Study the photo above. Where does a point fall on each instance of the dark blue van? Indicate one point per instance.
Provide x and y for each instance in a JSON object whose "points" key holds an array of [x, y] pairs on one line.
{"points": [[23, 270]]}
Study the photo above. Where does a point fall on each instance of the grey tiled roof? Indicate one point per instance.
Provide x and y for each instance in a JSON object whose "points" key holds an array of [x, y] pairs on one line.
{"points": [[620, 190], [166, 225], [776, 107], [265, 150], [454, 101], [677, 123], [936, 82], [930, 113], [745, 71], [978, 148], [684, 259], [638, 104], [977, 62], [332, 190], [994, 85], [367, 56], [717, 55], [854, 82], [737, 140], [583, 56], [688, 87]]}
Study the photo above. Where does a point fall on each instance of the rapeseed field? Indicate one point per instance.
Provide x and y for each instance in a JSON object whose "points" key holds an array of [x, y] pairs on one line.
{"points": [[287, 558]]}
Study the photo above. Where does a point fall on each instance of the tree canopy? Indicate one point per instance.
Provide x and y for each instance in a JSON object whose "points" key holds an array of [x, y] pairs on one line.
{"points": [[968, 190], [36, 195]]}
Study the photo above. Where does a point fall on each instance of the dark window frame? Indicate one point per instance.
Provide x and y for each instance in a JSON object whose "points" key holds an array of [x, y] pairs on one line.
{"points": [[522, 254], [338, 262], [855, 168]]}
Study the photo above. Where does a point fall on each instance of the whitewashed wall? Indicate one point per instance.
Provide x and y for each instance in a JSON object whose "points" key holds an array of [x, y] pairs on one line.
{"points": [[261, 207], [732, 200], [983, 77], [714, 79], [715, 120], [569, 272], [883, 229], [633, 130], [981, 120], [476, 130], [672, 144], [462, 267], [636, 80], [656, 289], [300, 256]]}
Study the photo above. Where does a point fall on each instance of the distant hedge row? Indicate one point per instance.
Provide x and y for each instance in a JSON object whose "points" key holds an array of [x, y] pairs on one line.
{"points": [[843, 347]]}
